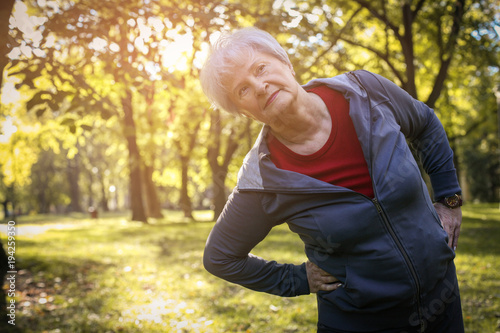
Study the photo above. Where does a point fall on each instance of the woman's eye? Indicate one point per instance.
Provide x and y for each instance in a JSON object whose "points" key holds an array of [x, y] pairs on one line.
{"points": [[243, 91], [260, 69]]}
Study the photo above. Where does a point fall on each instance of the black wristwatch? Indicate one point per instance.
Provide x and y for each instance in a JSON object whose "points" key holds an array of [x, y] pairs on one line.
{"points": [[454, 201]]}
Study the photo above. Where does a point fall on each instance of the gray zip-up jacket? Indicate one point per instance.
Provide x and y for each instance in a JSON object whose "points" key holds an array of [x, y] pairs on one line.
{"points": [[390, 253]]}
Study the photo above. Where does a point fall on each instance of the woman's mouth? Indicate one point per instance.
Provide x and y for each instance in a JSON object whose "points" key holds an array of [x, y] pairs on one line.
{"points": [[271, 98]]}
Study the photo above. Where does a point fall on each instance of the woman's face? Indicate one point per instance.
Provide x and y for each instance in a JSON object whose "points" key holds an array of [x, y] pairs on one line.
{"points": [[264, 88]]}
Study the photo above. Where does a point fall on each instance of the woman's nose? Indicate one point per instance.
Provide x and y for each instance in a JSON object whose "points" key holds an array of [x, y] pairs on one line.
{"points": [[261, 87]]}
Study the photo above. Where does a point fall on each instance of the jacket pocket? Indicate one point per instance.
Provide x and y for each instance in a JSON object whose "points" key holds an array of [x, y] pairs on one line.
{"points": [[371, 290]]}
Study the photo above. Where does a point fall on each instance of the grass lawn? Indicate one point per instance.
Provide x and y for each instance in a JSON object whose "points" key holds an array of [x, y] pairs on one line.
{"points": [[113, 275]]}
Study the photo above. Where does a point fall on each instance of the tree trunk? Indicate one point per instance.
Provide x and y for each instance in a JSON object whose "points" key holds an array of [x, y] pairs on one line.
{"points": [[4, 268], [134, 161], [448, 52], [5, 205], [185, 200], [104, 195], [90, 201], [153, 206], [219, 170], [5, 12], [42, 198], [407, 46], [73, 172], [152, 202], [219, 175], [185, 152]]}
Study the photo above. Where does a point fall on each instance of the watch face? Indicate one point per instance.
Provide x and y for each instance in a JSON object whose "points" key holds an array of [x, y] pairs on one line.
{"points": [[453, 201]]}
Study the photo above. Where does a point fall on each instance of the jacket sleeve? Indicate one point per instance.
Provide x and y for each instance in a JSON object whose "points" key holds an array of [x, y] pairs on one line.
{"points": [[423, 129], [240, 227]]}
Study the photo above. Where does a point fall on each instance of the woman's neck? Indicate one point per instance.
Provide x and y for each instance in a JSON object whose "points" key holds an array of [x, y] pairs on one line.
{"points": [[306, 129]]}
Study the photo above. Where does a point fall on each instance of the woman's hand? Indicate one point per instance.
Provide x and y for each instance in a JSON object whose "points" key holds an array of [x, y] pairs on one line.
{"points": [[319, 279], [451, 219]]}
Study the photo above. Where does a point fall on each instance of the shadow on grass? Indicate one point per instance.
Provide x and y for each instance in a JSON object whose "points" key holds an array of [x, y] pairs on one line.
{"points": [[46, 218], [479, 237], [52, 293], [170, 217], [88, 275]]}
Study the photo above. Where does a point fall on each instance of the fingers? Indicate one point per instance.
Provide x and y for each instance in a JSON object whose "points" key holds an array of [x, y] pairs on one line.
{"points": [[328, 279], [326, 283], [313, 268], [451, 220], [453, 238], [456, 234], [330, 286], [453, 242], [453, 231], [317, 286], [319, 279]]}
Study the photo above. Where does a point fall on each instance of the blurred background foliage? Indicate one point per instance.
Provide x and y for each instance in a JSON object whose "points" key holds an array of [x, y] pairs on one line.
{"points": [[101, 105]]}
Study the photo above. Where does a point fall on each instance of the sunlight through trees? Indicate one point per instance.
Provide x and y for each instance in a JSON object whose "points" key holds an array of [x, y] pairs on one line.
{"points": [[105, 94]]}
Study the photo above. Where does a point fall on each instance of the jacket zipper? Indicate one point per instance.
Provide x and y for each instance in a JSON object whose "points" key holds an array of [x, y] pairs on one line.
{"points": [[392, 232], [406, 258]]}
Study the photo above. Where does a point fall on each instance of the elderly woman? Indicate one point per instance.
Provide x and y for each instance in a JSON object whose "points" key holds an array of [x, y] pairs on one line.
{"points": [[332, 161]]}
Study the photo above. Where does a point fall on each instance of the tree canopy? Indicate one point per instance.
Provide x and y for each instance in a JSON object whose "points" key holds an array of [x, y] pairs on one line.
{"points": [[106, 93]]}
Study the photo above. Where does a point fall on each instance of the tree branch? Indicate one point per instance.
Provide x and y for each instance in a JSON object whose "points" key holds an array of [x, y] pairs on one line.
{"points": [[407, 47], [333, 43], [386, 28], [457, 22], [5, 11], [232, 146], [450, 46], [418, 7], [382, 56], [381, 17]]}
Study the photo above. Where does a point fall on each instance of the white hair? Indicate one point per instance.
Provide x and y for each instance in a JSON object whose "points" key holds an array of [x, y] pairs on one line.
{"points": [[230, 51]]}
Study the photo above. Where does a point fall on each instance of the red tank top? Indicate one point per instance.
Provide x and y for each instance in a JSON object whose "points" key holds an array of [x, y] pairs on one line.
{"points": [[340, 161]]}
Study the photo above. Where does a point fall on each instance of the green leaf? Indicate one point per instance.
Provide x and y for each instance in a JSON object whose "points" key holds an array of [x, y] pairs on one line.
{"points": [[68, 122]]}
